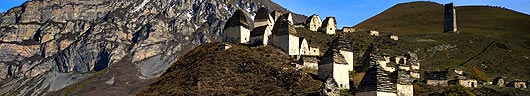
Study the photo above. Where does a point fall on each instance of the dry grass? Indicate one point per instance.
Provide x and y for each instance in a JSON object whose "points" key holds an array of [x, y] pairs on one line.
{"points": [[240, 70], [419, 27]]}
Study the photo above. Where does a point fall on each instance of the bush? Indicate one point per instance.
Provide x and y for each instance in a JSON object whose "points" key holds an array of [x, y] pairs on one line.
{"points": [[457, 90], [345, 92], [478, 74]]}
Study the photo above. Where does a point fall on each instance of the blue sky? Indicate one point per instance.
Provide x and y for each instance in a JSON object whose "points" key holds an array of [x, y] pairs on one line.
{"points": [[351, 12], [8, 4]]}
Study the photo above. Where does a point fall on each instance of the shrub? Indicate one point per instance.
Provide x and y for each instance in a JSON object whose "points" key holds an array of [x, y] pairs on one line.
{"points": [[345, 92], [457, 90], [478, 74]]}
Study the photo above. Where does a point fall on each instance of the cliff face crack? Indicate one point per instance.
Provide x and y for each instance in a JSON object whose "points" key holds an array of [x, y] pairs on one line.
{"points": [[103, 62], [37, 36]]}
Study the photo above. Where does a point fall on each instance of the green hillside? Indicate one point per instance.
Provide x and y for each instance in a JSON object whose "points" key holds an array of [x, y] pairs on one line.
{"points": [[490, 39]]}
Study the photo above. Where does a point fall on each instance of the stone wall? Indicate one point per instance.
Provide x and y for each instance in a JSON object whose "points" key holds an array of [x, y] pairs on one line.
{"points": [[437, 82], [291, 47], [310, 62], [465, 83], [383, 64], [339, 72], [324, 70], [329, 26], [375, 93], [499, 81], [405, 90], [374, 33], [348, 29], [518, 84], [348, 55], [263, 39], [257, 40], [313, 22], [238, 34], [304, 47], [394, 37], [341, 75], [329, 88], [314, 51]]}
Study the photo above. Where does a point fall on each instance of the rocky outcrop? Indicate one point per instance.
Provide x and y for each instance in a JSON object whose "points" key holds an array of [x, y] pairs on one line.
{"points": [[41, 39]]}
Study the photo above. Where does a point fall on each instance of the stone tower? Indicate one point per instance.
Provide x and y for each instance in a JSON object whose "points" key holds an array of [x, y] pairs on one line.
{"points": [[329, 25], [313, 22], [237, 28], [450, 18]]}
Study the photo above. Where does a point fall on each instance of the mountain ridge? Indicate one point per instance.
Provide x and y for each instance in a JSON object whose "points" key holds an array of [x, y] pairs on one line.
{"points": [[47, 45]]}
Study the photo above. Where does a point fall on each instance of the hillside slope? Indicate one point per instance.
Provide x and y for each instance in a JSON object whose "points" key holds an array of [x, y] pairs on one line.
{"points": [[238, 70], [491, 39]]}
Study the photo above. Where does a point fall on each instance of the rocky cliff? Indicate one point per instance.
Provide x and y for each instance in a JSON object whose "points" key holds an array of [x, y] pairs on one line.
{"points": [[46, 45]]}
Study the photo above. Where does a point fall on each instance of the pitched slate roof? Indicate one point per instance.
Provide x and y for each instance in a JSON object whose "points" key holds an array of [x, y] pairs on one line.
{"points": [[333, 56], [262, 14], [310, 18], [286, 15], [312, 59], [282, 27], [341, 43], [239, 18], [403, 77], [376, 79], [326, 21], [276, 14]]}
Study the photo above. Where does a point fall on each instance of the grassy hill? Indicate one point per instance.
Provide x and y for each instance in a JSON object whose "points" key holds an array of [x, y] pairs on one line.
{"points": [[491, 39], [240, 70]]}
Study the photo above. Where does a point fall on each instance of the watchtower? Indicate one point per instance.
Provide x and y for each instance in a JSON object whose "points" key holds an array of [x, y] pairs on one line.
{"points": [[450, 18]]}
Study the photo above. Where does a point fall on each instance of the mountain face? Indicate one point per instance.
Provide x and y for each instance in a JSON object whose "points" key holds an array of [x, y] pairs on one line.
{"points": [[48, 45]]}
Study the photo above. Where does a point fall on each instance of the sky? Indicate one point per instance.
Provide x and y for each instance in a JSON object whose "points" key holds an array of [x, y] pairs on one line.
{"points": [[351, 12], [8, 4]]}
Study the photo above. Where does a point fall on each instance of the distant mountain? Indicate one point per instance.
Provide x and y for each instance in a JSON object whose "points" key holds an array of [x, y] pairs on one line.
{"points": [[111, 47]]}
